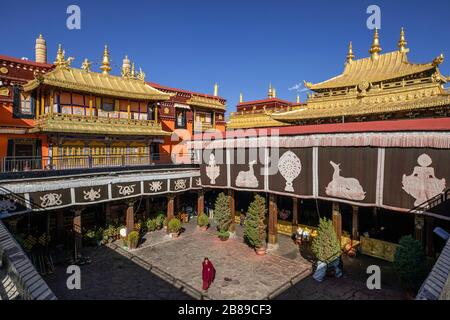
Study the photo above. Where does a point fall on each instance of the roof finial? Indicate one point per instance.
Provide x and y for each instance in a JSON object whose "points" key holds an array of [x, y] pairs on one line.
{"points": [[126, 67], [59, 56], [402, 42], [298, 98], [375, 49], [86, 65], [350, 55], [241, 98], [106, 66], [216, 89], [274, 93], [270, 92], [133, 73], [41, 50], [141, 75]]}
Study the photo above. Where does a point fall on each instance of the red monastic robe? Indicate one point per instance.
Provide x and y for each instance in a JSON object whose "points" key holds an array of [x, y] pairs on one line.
{"points": [[208, 274]]}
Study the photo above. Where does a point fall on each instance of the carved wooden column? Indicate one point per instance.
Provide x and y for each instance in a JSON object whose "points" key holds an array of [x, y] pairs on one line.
{"points": [[147, 208], [295, 213], [273, 220], [355, 222], [429, 246], [337, 221], [77, 231], [130, 216], [170, 206], [232, 208], [201, 202], [59, 225]]}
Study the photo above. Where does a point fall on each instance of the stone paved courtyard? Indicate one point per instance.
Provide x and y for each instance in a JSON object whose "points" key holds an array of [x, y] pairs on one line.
{"points": [[164, 268]]}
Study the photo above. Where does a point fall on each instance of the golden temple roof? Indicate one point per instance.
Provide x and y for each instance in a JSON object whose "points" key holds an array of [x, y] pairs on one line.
{"points": [[387, 66], [206, 102], [96, 83], [253, 120]]}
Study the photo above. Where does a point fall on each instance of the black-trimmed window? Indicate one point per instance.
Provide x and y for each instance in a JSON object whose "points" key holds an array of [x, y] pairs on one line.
{"points": [[23, 104], [151, 111], [108, 104], [180, 118]]}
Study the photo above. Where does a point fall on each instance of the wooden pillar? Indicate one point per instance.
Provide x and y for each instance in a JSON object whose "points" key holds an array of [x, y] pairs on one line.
{"points": [[77, 229], [176, 207], [59, 225], [156, 112], [42, 103], [232, 209], [337, 221], [419, 223], [201, 202], [129, 110], [295, 212], [147, 208], [51, 102], [355, 222], [170, 206], [429, 245], [130, 216], [38, 105], [108, 217], [273, 219]]}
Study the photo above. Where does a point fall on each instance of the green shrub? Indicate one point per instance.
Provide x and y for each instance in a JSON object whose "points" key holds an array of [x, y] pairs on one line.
{"points": [[254, 225], [174, 225], [410, 263], [151, 225], [223, 234], [90, 238], [133, 239], [110, 233], [160, 220], [222, 212], [326, 246], [203, 220]]}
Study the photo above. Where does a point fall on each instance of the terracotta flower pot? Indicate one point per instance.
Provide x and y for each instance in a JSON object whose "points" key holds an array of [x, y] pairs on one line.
{"points": [[174, 235], [204, 228], [260, 251]]}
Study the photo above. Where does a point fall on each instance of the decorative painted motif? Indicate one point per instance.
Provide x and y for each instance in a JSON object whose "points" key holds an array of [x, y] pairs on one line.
{"points": [[7, 206], [247, 179], [290, 167], [198, 182], [155, 186], [348, 188], [212, 169], [92, 194], [180, 184], [422, 184], [51, 200], [126, 190]]}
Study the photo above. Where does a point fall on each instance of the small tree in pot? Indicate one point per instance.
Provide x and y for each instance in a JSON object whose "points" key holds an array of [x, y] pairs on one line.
{"points": [[254, 225], [174, 227], [326, 249], [222, 214], [203, 221], [133, 239]]}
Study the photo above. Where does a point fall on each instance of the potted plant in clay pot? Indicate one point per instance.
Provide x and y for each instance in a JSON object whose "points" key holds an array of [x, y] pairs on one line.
{"points": [[151, 225], [222, 214], [254, 225], [160, 217], [203, 221], [133, 239], [174, 227]]}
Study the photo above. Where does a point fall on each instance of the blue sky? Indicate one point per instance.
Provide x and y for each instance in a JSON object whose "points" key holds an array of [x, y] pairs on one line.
{"points": [[242, 45]]}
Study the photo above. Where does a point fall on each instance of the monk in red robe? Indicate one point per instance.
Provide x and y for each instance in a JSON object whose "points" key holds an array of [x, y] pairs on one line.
{"points": [[208, 273]]}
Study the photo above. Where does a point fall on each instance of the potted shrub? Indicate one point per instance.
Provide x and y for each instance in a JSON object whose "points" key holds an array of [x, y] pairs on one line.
{"points": [[110, 234], [151, 225], [222, 214], [133, 239], [327, 250], [165, 222], [160, 217], [203, 221], [174, 227], [254, 225], [410, 264]]}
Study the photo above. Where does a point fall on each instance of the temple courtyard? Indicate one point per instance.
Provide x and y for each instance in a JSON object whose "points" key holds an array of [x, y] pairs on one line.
{"points": [[164, 268]]}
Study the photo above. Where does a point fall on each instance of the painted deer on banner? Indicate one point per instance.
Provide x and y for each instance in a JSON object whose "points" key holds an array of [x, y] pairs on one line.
{"points": [[341, 187], [247, 179]]}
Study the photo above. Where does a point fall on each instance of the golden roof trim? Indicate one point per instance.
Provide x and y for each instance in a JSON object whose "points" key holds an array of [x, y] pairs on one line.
{"points": [[97, 83], [97, 125], [206, 102], [387, 66], [253, 120]]}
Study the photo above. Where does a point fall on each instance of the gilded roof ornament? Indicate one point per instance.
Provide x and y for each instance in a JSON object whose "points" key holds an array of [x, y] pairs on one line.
{"points": [[375, 49], [241, 99], [402, 42], [126, 67], [350, 55], [438, 60], [60, 60], [86, 65], [270, 92], [106, 65], [133, 72], [141, 75]]}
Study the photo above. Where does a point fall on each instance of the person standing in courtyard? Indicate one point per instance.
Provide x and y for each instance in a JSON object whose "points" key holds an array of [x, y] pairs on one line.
{"points": [[208, 273]]}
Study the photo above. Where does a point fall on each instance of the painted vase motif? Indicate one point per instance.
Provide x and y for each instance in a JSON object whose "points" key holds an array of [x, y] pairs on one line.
{"points": [[212, 169]]}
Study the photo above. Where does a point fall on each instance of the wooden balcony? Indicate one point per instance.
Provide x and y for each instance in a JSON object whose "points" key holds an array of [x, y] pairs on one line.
{"points": [[70, 123]]}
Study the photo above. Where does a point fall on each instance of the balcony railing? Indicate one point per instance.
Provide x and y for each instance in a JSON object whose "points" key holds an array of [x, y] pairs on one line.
{"points": [[20, 164]]}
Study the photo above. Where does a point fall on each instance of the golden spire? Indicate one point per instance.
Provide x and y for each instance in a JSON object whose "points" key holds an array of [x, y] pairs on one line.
{"points": [[402, 42], [375, 49], [298, 98], [106, 66], [59, 56], [133, 73], [86, 65], [241, 99], [141, 75], [350, 55], [270, 92], [274, 93], [216, 89], [126, 67]]}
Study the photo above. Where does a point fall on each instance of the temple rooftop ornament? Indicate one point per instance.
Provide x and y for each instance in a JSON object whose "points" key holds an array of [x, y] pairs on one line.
{"points": [[141, 75], [375, 49], [216, 89], [126, 67], [402, 42], [106, 65], [60, 61], [241, 99], [133, 72], [86, 65], [350, 55], [270, 92]]}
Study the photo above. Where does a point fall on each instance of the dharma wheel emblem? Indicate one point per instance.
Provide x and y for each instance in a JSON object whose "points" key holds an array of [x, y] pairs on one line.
{"points": [[290, 167]]}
